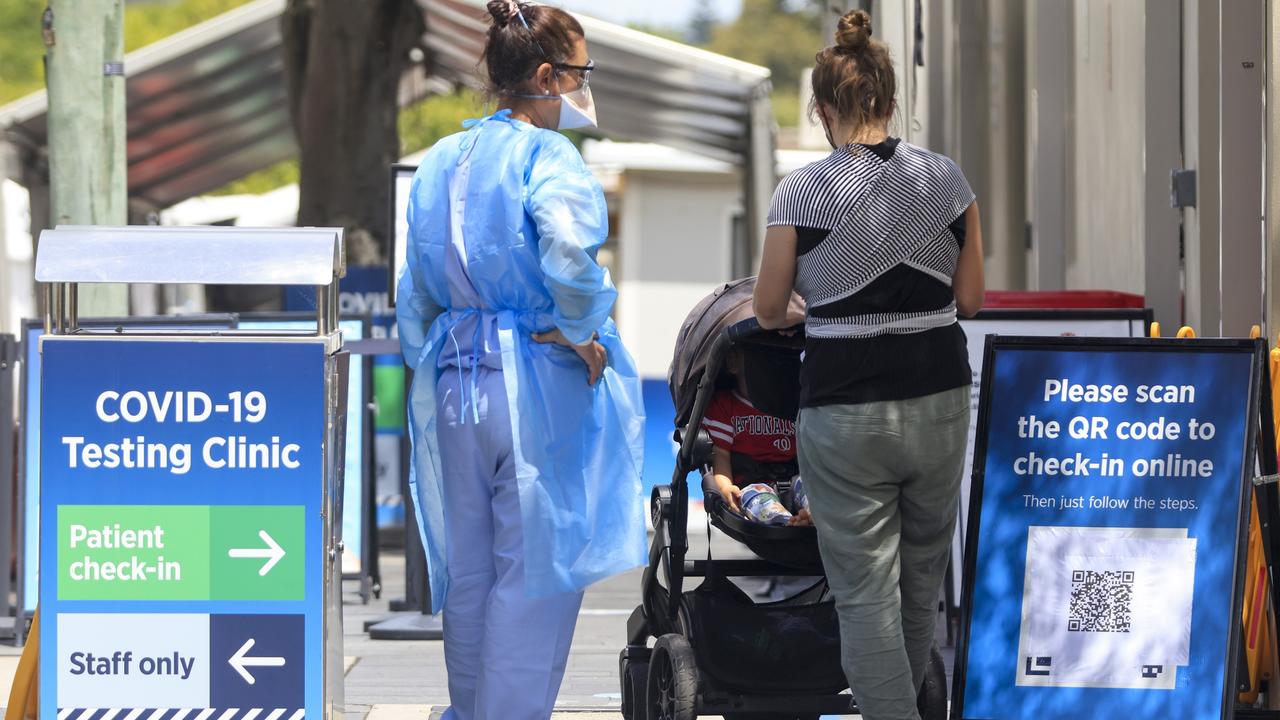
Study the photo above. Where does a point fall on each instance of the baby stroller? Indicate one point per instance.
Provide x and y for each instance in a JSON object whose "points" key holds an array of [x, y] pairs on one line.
{"points": [[717, 651]]}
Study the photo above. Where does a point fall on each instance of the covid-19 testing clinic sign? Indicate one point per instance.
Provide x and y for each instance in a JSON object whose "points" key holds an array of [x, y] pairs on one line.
{"points": [[182, 560], [1110, 488]]}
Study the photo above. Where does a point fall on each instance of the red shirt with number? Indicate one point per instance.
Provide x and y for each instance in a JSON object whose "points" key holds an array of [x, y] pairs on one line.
{"points": [[737, 426]]}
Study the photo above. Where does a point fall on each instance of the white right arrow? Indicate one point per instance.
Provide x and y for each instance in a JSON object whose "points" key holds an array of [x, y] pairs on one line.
{"points": [[239, 661], [273, 552]]}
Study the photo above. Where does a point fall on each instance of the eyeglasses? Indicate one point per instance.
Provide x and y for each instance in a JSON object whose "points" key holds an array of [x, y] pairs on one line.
{"points": [[583, 71]]}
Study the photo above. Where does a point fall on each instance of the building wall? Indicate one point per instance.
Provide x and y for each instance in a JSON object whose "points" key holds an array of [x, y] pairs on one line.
{"points": [[1104, 249], [17, 288], [988, 129], [674, 247]]}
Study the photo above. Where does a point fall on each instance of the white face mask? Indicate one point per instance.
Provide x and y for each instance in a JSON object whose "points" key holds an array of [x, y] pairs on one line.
{"points": [[577, 109]]}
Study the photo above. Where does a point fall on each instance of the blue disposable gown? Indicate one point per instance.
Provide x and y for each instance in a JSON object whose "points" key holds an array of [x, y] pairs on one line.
{"points": [[533, 218]]}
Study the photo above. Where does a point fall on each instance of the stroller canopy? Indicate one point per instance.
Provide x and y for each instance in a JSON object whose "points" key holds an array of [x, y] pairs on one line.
{"points": [[729, 305]]}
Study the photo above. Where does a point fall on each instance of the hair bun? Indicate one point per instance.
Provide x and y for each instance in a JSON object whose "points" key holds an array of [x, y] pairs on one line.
{"points": [[853, 34], [501, 12]]}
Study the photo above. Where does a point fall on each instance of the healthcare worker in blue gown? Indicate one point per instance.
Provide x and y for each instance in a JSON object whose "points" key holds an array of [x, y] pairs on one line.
{"points": [[526, 410]]}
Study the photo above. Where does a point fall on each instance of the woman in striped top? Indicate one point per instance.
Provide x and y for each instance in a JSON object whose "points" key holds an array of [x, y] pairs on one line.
{"points": [[882, 240]]}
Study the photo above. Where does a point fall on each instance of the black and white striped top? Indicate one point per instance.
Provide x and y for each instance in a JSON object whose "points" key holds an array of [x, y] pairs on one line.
{"points": [[879, 232]]}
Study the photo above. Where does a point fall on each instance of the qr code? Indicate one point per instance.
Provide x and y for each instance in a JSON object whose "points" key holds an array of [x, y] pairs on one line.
{"points": [[1100, 601]]}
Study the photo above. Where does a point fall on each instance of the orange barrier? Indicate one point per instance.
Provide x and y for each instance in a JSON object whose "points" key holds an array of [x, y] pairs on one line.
{"points": [[1259, 615], [1259, 626], [1259, 622], [24, 696]]}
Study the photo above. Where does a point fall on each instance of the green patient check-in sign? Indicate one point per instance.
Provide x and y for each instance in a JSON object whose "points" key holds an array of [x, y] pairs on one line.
{"points": [[177, 552], [182, 544]]}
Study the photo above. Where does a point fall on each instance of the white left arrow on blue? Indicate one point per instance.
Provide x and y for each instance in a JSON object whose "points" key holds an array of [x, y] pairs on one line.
{"points": [[241, 661]]}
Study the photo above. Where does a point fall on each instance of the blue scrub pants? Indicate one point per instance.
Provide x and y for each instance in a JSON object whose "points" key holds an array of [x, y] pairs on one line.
{"points": [[505, 652]]}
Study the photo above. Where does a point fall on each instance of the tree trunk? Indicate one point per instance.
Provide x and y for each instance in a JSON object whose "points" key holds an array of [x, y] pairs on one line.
{"points": [[343, 63]]}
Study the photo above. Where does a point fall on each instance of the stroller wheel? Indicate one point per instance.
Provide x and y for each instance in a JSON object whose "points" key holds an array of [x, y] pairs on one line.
{"points": [[673, 680], [932, 701], [634, 674]]}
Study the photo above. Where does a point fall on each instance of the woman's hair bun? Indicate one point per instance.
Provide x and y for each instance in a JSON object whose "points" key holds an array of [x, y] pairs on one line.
{"points": [[501, 12], [853, 33]]}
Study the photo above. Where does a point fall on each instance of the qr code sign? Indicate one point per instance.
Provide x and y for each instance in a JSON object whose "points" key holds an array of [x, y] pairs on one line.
{"points": [[1100, 601]]}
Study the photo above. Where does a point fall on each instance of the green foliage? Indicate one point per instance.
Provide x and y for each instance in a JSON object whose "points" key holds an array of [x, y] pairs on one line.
{"points": [[21, 49], [22, 45], [782, 35], [439, 116], [436, 117], [786, 106], [265, 180], [772, 34], [145, 23]]}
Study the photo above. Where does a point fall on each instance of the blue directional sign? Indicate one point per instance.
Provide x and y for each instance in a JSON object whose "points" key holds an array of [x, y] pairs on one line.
{"points": [[182, 542], [1104, 568], [32, 330], [266, 660]]}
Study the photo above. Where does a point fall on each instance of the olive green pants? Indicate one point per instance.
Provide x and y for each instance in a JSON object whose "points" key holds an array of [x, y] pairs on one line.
{"points": [[883, 480]]}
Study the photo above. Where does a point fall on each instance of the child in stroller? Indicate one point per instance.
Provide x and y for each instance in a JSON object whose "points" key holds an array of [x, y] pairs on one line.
{"points": [[755, 452], [698, 644]]}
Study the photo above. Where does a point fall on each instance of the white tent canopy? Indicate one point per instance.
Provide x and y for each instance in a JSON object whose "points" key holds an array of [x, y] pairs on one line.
{"points": [[647, 88], [208, 105]]}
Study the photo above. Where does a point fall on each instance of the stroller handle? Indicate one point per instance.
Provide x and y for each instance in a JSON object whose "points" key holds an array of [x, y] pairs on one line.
{"points": [[743, 329], [750, 327]]}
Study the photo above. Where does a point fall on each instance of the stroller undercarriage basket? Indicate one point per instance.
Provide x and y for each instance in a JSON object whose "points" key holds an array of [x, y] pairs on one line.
{"points": [[789, 646]]}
